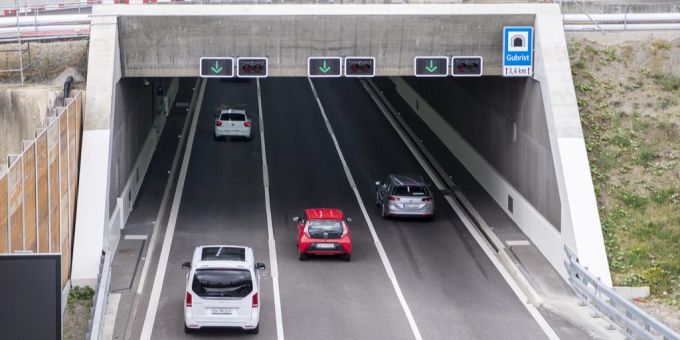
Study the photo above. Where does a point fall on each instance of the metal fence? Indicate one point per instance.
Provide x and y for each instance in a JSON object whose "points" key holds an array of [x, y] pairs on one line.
{"points": [[635, 322]]}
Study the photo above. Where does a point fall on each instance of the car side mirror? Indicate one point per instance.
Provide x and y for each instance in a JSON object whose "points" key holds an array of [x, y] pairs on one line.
{"points": [[296, 219], [260, 266], [377, 183], [348, 219], [186, 265]]}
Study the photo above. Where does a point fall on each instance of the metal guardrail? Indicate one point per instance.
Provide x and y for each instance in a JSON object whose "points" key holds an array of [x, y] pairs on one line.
{"points": [[635, 322]]}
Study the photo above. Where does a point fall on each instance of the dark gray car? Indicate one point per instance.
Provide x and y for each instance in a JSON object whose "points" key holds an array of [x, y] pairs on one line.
{"points": [[404, 195]]}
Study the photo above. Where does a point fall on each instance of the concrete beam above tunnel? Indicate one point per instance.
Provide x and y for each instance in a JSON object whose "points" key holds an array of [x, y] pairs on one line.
{"points": [[176, 36]]}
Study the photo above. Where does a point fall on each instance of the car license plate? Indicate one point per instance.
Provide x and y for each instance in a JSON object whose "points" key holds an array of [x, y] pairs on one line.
{"points": [[411, 205], [222, 311], [325, 245]]}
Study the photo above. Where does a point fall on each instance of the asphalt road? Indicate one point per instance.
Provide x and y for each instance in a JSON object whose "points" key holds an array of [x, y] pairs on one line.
{"points": [[450, 286]]}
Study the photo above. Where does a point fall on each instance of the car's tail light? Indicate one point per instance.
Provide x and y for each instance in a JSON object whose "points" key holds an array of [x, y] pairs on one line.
{"points": [[345, 230], [256, 300], [246, 124], [427, 199], [218, 122], [188, 300], [306, 231], [393, 198]]}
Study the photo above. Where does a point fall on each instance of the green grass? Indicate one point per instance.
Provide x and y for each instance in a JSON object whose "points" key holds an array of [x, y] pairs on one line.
{"points": [[667, 81]]}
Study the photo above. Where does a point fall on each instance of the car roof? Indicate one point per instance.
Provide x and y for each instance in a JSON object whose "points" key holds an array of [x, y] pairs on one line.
{"points": [[223, 256], [324, 214], [242, 111], [407, 180]]}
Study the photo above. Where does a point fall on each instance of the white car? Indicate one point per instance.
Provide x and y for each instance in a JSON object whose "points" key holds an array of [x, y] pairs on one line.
{"points": [[232, 123], [222, 289]]}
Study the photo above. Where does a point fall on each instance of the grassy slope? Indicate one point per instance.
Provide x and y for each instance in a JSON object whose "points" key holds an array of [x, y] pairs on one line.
{"points": [[628, 96]]}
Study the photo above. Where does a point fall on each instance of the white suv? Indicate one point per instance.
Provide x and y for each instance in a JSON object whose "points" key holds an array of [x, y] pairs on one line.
{"points": [[222, 289], [232, 122]]}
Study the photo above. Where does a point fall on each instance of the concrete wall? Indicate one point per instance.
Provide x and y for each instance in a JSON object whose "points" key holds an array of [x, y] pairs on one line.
{"points": [[22, 111], [131, 124], [176, 36], [488, 112]]}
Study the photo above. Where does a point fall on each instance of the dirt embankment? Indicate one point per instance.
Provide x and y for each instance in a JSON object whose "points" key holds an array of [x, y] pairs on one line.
{"points": [[629, 99]]}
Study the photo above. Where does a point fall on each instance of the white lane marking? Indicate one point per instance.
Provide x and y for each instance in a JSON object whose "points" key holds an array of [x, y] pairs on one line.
{"points": [[376, 239], [151, 310], [273, 262], [161, 210], [136, 237], [514, 243], [545, 326]]}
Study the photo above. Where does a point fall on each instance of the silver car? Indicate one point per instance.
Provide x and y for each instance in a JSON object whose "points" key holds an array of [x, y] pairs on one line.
{"points": [[404, 195]]}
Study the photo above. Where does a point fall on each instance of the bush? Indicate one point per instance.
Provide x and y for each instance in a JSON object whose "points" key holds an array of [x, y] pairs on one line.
{"points": [[633, 200], [78, 293]]}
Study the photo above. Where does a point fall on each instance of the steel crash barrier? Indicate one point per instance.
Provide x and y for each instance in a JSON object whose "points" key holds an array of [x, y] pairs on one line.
{"points": [[635, 322]]}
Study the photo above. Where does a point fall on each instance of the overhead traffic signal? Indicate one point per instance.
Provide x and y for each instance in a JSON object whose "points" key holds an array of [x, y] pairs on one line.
{"points": [[467, 66], [251, 67], [324, 67], [216, 67], [431, 66], [359, 67]]}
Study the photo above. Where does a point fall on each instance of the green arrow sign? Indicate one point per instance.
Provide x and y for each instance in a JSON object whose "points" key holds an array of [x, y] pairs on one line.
{"points": [[324, 68], [431, 67], [217, 68]]}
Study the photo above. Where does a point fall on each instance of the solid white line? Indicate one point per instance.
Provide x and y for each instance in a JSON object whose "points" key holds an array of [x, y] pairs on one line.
{"points": [[147, 329], [273, 263], [136, 237], [376, 240], [545, 326], [514, 243]]}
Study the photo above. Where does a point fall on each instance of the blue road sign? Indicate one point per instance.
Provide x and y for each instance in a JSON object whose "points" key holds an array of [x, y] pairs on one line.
{"points": [[518, 54]]}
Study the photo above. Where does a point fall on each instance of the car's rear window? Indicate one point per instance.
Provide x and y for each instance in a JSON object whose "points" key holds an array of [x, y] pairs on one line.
{"points": [[327, 226], [239, 117], [234, 283], [223, 254], [410, 190]]}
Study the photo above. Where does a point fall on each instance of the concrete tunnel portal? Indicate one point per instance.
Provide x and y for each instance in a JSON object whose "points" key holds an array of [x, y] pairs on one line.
{"points": [[520, 138]]}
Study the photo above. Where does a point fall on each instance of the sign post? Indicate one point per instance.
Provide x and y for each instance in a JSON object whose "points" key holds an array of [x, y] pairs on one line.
{"points": [[518, 44]]}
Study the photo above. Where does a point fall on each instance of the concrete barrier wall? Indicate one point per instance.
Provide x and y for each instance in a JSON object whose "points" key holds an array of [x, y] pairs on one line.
{"points": [[132, 121], [38, 190], [503, 120]]}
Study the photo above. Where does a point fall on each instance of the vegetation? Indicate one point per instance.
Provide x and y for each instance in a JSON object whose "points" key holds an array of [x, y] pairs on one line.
{"points": [[77, 313], [629, 111]]}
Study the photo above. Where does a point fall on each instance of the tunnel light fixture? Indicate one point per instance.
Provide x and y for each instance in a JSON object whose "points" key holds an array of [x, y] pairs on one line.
{"points": [[467, 66], [360, 67], [252, 67]]}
